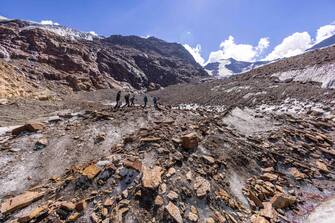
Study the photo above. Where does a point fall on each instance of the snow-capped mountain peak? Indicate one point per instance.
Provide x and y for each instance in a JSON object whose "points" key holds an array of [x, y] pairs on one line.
{"points": [[228, 67]]}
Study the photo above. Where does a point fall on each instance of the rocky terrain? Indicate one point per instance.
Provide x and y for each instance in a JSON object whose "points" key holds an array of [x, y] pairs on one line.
{"points": [[258, 147], [62, 60]]}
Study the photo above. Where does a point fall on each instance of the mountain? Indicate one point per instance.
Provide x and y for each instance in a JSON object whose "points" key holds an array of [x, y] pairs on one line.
{"points": [[325, 43], [63, 59], [228, 67]]}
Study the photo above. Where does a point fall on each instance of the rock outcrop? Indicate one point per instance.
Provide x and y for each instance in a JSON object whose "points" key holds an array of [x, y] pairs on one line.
{"points": [[56, 58]]}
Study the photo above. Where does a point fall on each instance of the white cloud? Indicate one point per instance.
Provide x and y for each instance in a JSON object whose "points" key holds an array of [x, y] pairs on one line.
{"points": [[49, 22], [196, 53], [292, 45], [243, 52], [325, 32]]}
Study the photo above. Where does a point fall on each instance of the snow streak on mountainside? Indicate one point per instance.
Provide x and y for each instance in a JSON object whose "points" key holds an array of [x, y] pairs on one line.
{"points": [[228, 67], [325, 43]]}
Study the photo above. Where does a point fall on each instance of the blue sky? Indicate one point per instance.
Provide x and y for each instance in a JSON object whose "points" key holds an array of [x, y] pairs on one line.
{"points": [[205, 22]]}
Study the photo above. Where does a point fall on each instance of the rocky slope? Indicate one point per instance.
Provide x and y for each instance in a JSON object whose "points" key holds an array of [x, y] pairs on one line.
{"points": [[88, 163], [60, 58]]}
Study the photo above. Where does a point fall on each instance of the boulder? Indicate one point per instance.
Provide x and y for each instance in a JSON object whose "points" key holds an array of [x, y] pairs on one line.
{"points": [[281, 200], [321, 166], [159, 200], [258, 219], [91, 171], [68, 206], [12, 204], [172, 195], [174, 212], [34, 214], [30, 127], [296, 173], [202, 186], [269, 212], [136, 165], [151, 178], [190, 141]]}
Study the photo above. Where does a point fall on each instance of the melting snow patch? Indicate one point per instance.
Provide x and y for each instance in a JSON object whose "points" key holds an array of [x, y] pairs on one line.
{"points": [[4, 53], [193, 107], [64, 31], [323, 74], [294, 106]]}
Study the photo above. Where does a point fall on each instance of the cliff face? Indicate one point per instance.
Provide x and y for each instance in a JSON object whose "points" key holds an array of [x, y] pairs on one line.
{"points": [[58, 56]]}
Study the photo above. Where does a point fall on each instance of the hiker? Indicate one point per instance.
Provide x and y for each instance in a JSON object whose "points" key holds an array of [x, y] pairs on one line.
{"points": [[132, 100], [155, 101], [118, 102], [126, 98], [145, 99]]}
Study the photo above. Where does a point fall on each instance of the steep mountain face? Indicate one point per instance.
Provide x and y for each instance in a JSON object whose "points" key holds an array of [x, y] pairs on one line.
{"points": [[61, 58], [228, 67], [325, 43]]}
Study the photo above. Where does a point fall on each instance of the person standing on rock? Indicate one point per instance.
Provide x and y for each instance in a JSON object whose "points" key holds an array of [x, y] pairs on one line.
{"points": [[145, 99], [118, 98], [126, 98], [132, 100]]}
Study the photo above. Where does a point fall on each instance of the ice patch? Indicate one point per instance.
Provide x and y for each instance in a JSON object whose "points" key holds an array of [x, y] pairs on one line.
{"points": [[194, 107], [323, 213], [63, 31], [246, 121], [4, 53], [294, 106], [323, 74]]}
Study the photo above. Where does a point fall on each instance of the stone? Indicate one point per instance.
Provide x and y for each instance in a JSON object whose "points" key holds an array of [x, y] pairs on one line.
{"points": [[174, 212], [150, 139], [190, 141], [192, 217], [258, 219], [170, 172], [208, 159], [202, 186], [159, 200], [296, 173], [162, 188], [321, 166], [73, 217], [30, 127], [151, 177], [209, 220], [268, 211], [108, 202], [281, 200], [95, 218], [189, 175], [12, 204], [34, 214], [91, 171], [255, 199], [172, 195], [269, 177], [41, 143], [81, 205], [136, 165], [67, 205]]}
